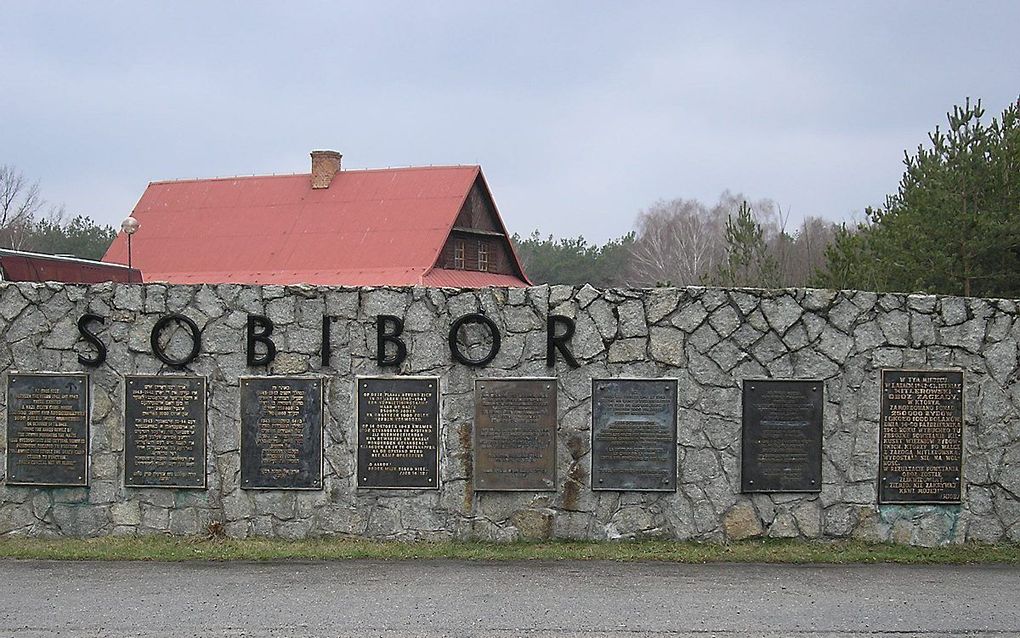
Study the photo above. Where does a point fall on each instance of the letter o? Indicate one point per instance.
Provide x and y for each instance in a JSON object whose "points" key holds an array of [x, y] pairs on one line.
{"points": [[474, 317], [196, 340]]}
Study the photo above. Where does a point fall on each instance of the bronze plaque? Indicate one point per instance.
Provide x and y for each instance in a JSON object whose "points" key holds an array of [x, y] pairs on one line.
{"points": [[47, 429], [281, 433], [920, 437], [164, 431], [515, 434], [782, 436], [633, 434], [398, 432]]}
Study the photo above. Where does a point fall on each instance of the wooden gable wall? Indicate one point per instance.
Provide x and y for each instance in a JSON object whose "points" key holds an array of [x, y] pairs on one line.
{"points": [[475, 230]]}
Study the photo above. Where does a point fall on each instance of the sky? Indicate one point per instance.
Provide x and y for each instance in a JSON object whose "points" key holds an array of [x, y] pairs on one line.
{"points": [[581, 114]]}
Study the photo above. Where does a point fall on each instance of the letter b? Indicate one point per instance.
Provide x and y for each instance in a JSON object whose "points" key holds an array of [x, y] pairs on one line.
{"points": [[266, 325], [383, 337]]}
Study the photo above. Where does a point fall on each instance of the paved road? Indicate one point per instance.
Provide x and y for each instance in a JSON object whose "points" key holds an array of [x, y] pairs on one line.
{"points": [[400, 599]]}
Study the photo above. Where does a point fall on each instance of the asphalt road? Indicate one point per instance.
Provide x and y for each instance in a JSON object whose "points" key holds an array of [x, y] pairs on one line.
{"points": [[40, 599]]}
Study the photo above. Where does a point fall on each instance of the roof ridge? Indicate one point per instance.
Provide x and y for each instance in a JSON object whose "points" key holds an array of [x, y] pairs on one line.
{"points": [[224, 178]]}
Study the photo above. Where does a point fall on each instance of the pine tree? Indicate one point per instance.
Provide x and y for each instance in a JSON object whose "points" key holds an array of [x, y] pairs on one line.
{"points": [[953, 226], [748, 260]]}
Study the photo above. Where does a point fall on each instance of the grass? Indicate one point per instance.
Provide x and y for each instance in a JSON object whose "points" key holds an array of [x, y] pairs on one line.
{"points": [[166, 548]]}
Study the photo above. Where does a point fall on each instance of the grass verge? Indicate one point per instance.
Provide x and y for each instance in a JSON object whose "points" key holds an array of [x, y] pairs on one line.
{"points": [[165, 548]]}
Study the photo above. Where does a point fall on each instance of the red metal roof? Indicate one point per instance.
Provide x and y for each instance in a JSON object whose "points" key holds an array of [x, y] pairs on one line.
{"points": [[444, 278], [370, 227]]}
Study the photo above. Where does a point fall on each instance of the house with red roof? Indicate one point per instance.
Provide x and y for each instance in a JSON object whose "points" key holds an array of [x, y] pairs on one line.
{"points": [[432, 226]]}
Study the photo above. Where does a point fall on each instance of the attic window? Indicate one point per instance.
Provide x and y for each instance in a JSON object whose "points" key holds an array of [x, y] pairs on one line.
{"points": [[458, 254], [483, 256]]}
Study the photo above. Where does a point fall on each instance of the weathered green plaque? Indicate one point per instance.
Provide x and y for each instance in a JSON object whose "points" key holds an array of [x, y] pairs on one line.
{"points": [[515, 434], [633, 434]]}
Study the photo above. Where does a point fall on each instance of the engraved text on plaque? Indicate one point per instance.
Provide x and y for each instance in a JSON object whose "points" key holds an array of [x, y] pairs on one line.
{"points": [[164, 431], [398, 432], [47, 429], [281, 433], [782, 436], [921, 436], [633, 430], [515, 434]]}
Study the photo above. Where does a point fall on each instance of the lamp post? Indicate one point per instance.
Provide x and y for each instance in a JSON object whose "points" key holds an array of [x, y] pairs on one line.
{"points": [[130, 227]]}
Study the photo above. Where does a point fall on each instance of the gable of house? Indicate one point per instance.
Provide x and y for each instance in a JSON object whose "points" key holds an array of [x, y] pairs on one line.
{"points": [[478, 242]]}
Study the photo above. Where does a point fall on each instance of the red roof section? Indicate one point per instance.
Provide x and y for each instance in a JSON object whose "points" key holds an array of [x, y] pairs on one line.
{"points": [[370, 227], [18, 265], [445, 278]]}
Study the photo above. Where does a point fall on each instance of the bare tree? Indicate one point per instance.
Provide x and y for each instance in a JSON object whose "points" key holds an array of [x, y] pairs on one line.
{"points": [[810, 243], [683, 241], [677, 241], [20, 202]]}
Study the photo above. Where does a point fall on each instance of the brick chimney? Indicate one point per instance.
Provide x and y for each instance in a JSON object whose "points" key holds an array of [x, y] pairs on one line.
{"points": [[325, 166]]}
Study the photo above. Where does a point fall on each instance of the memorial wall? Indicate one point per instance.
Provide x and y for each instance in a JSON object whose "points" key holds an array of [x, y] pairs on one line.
{"points": [[503, 414]]}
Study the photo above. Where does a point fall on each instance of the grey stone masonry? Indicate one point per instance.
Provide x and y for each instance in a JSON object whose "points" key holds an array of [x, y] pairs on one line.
{"points": [[710, 340]]}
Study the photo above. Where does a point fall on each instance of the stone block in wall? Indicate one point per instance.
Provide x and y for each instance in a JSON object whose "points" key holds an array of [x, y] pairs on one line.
{"points": [[741, 522]]}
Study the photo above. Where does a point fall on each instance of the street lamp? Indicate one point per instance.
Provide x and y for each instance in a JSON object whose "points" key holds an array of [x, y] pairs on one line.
{"points": [[130, 227]]}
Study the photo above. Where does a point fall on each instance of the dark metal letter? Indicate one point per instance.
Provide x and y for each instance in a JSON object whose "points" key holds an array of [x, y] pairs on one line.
{"points": [[258, 321], [554, 342], [327, 349], [196, 340], [88, 335], [474, 317], [383, 337]]}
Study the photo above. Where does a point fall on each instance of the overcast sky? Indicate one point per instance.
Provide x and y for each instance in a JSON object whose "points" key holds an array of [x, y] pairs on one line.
{"points": [[580, 113]]}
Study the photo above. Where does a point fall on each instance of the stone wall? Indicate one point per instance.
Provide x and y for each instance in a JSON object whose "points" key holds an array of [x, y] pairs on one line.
{"points": [[708, 339]]}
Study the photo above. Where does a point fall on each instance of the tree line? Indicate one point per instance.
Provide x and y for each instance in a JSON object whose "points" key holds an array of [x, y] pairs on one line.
{"points": [[952, 227], [29, 222], [681, 242]]}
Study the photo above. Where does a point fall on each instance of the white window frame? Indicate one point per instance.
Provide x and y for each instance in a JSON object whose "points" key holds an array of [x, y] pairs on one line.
{"points": [[458, 254], [483, 256]]}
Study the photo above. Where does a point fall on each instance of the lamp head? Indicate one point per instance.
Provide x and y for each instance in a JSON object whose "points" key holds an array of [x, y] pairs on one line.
{"points": [[130, 225]]}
